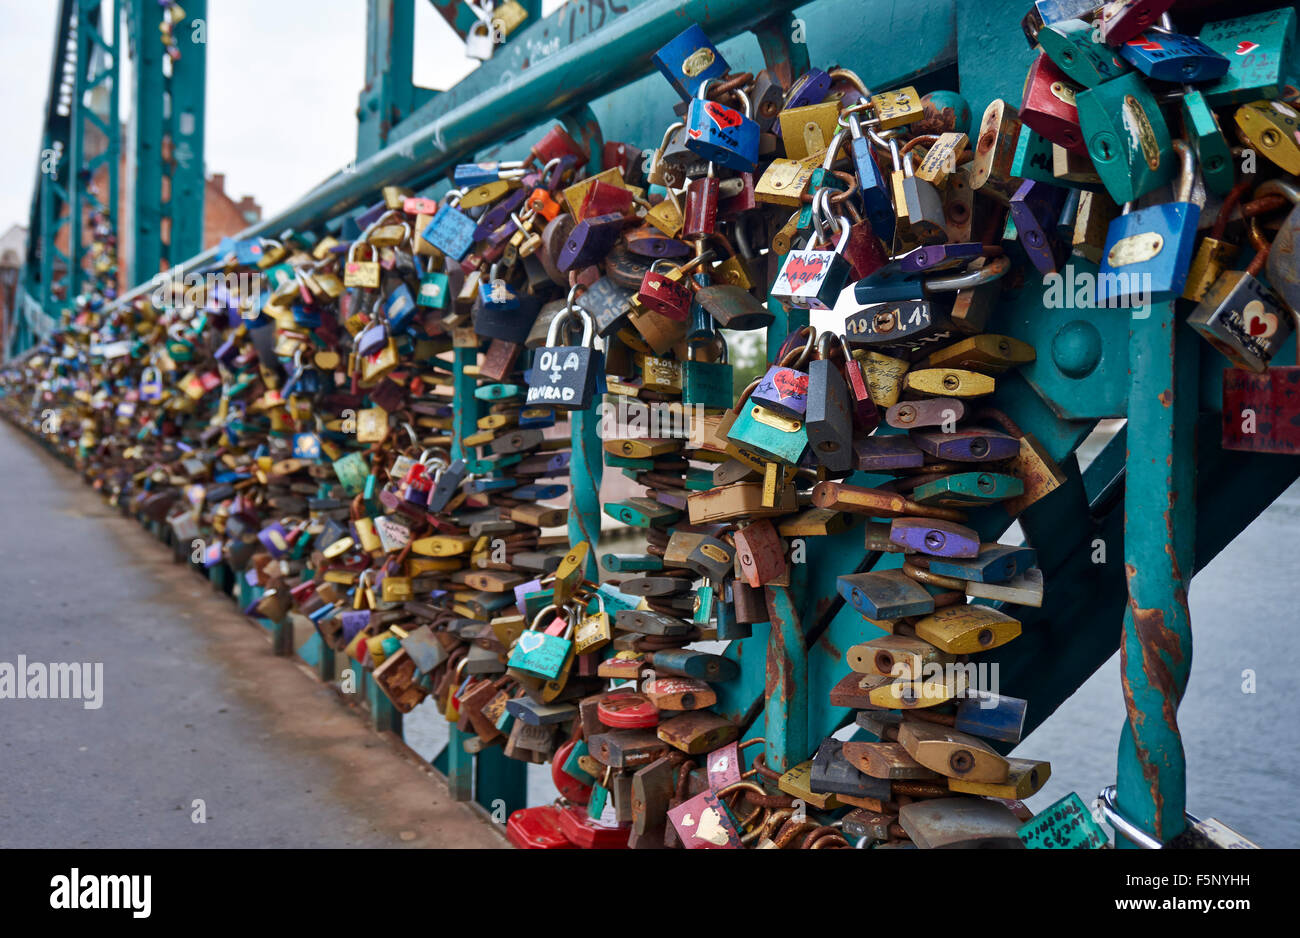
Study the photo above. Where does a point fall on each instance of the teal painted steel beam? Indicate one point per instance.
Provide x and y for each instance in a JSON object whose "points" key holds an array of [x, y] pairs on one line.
{"points": [[188, 94], [146, 208], [388, 95], [786, 690], [554, 85], [1159, 540]]}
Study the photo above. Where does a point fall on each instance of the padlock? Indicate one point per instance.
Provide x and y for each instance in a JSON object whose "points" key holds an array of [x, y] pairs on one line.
{"points": [[1213, 254], [1241, 317], [1120, 20], [720, 134], [1035, 208], [1049, 105], [783, 389], [829, 413], [1213, 155], [433, 292], [807, 131], [690, 60], [701, 212], [1170, 56], [1260, 53], [704, 383], [359, 273], [874, 192], [1283, 273], [565, 376], [918, 203], [995, 151], [1071, 46], [544, 653], [814, 278], [1126, 136], [451, 231], [1148, 251], [1272, 127]]}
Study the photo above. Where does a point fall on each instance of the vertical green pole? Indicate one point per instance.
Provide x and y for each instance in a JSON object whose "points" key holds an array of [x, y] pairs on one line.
{"points": [[586, 461], [147, 117], [188, 97], [785, 698], [1159, 536], [460, 764]]}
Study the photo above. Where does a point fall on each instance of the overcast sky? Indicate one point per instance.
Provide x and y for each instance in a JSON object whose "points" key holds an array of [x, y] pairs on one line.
{"points": [[283, 80]]}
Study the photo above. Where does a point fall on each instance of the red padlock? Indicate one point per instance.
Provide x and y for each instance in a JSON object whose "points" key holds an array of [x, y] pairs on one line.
{"points": [[701, 215], [1049, 107], [670, 298], [627, 710], [582, 831], [537, 829]]}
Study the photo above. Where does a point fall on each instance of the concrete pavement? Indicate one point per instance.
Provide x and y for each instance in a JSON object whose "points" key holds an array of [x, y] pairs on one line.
{"points": [[194, 705]]}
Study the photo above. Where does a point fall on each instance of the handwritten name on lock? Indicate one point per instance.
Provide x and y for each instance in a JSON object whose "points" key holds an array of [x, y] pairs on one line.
{"points": [[563, 372]]}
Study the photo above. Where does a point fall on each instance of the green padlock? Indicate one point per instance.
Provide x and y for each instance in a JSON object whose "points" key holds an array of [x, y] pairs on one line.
{"points": [[1213, 154], [1127, 137], [1258, 49], [707, 384], [775, 436], [1071, 47], [539, 652], [1033, 159]]}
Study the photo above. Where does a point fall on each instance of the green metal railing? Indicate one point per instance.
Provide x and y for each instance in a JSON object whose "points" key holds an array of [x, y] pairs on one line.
{"points": [[1165, 508]]}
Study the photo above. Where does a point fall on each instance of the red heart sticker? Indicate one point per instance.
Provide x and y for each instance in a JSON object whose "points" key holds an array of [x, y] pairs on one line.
{"points": [[1246, 46], [800, 270], [695, 134], [791, 383], [1142, 42], [722, 115]]}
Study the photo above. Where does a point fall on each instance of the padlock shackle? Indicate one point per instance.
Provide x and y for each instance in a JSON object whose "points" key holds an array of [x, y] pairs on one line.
{"points": [[1288, 190], [972, 278], [1186, 172], [852, 78], [588, 326]]}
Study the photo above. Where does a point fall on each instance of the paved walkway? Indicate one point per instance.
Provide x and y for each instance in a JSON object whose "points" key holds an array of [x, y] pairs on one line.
{"points": [[194, 705]]}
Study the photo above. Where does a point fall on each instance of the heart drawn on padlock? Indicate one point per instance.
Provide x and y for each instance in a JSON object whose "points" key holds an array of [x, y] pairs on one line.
{"points": [[711, 829], [791, 383], [1246, 46], [1258, 322], [722, 115], [529, 642], [799, 270]]}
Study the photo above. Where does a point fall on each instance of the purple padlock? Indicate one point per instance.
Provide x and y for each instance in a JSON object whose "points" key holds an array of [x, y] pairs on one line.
{"points": [[784, 391], [353, 621], [275, 538], [589, 241], [935, 538]]}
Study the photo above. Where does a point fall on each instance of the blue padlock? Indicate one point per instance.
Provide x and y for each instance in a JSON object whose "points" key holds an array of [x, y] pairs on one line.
{"points": [[1148, 252], [1173, 57], [469, 175], [451, 231], [721, 134], [876, 200], [399, 308], [690, 60]]}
